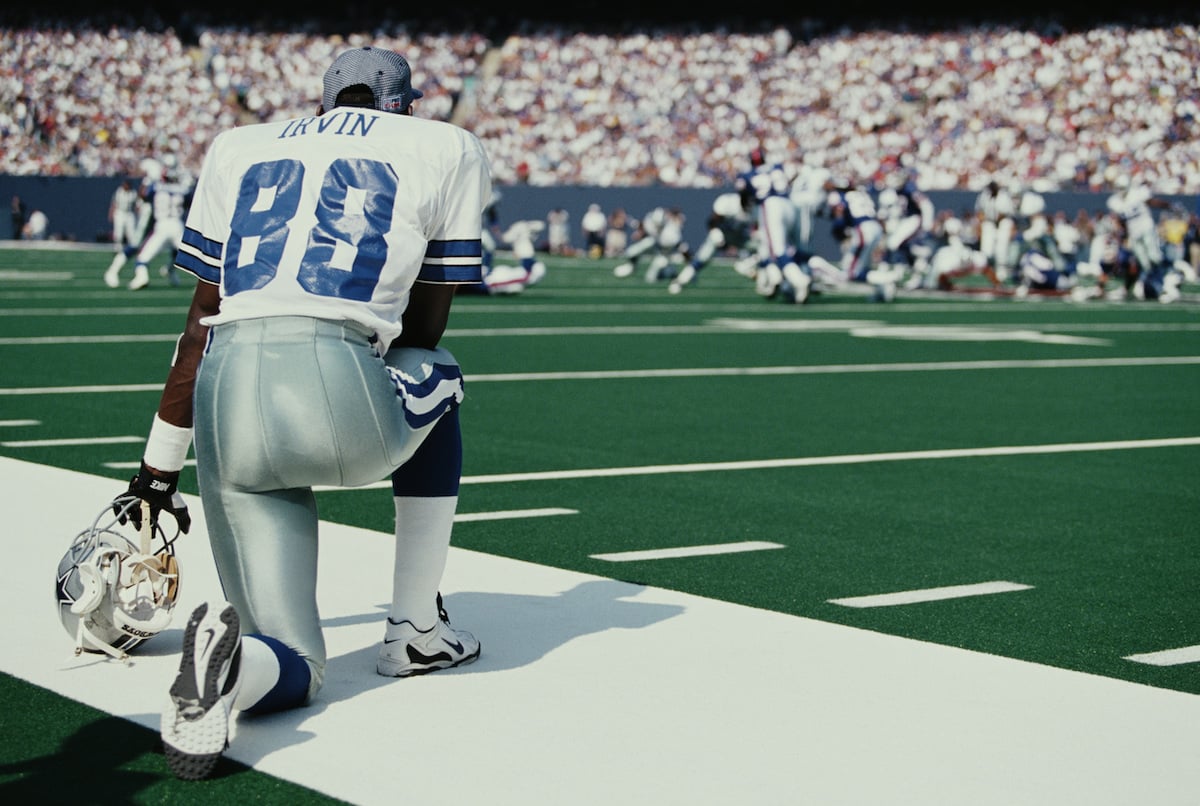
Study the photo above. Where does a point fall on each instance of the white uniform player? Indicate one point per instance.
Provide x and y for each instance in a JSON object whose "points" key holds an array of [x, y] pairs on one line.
{"points": [[730, 225], [1158, 277], [152, 175], [123, 213], [328, 250], [996, 210], [169, 202], [808, 193], [505, 278], [662, 239]]}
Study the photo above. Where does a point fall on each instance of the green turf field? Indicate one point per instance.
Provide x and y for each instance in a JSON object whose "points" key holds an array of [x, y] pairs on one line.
{"points": [[858, 449]]}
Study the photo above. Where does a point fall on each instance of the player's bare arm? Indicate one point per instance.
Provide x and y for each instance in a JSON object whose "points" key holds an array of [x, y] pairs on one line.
{"points": [[175, 407], [426, 316]]}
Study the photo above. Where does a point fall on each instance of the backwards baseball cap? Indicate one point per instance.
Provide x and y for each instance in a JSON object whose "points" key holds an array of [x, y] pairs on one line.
{"points": [[385, 72]]}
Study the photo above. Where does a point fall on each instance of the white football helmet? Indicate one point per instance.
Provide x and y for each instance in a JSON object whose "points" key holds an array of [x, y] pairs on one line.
{"points": [[113, 593]]}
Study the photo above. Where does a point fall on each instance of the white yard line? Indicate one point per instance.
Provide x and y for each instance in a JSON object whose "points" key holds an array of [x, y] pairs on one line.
{"points": [[712, 372], [1168, 657], [931, 594], [800, 461], [69, 442], [687, 551]]}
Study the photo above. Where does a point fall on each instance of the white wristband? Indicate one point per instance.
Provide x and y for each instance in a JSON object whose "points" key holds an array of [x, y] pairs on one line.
{"points": [[167, 446]]}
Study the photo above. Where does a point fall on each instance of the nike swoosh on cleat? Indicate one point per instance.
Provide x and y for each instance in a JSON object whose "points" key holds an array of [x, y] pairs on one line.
{"points": [[417, 656], [211, 635], [455, 645]]}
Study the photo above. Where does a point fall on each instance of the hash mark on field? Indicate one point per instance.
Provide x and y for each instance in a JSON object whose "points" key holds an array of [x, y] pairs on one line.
{"points": [[467, 517], [11, 423], [687, 551], [1168, 657], [931, 594]]}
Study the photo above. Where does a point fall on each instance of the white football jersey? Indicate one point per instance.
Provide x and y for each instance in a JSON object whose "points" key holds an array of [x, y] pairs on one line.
{"points": [[337, 216]]}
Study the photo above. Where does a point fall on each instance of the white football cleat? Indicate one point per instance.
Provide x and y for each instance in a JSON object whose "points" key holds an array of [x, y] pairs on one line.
{"points": [[195, 721], [407, 651]]}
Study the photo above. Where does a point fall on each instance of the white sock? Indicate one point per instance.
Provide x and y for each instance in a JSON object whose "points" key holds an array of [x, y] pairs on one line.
{"points": [[260, 673], [423, 528]]}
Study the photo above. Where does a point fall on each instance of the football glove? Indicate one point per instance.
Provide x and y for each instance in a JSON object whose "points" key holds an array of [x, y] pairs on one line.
{"points": [[160, 491]]}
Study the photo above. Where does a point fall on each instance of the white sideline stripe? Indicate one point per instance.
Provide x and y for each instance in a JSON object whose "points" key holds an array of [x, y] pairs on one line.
{"points": [[55, 443], [8, 423], [711, 372], [1168, 657], [687, 551], [930, 594], [506, 514], [833, 702]]}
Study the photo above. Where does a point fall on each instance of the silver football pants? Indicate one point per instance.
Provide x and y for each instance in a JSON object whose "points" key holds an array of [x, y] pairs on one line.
{"points": [[283, 404]]}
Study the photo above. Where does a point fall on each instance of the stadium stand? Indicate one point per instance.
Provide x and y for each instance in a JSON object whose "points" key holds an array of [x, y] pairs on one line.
{"points": [[658, 99]]}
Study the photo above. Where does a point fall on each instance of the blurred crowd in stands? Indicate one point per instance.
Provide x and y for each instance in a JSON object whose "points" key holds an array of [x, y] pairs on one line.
{"points": [[1060, 110]]}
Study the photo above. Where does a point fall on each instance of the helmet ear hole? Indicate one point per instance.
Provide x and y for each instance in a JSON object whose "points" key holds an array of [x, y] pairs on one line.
{"points": [[170, 567]]}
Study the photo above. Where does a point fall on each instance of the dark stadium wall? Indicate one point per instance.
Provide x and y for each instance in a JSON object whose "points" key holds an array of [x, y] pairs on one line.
{"points": [[78, 207]]}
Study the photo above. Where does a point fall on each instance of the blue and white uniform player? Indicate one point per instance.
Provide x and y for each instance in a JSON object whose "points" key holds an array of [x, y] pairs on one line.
{"points": [[767, 187], [328, 250]]}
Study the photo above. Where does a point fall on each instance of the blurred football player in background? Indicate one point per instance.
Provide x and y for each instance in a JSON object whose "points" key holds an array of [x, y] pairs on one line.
{"points": [[662, 240], [153, 173], [730, 227], [169, 202], [593, 223], [996, 211], [505, 278], [123, 216]]}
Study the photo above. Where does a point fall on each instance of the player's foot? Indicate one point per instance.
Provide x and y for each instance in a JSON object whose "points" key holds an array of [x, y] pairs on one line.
{"points": [[1170, 290], [112, 278], [768, 280], [195, 720], [686, 276], [141, 279], [623, 269], [408, 651], [747, 267], [536, 273], [798, 283]]}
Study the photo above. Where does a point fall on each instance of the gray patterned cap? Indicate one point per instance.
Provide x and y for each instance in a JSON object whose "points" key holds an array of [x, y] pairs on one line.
{"points": [[385, 72]]}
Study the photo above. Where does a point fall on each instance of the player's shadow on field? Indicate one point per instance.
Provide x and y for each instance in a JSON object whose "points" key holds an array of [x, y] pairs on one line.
{"points": [[514, 630]]}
